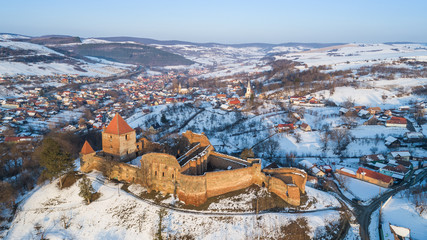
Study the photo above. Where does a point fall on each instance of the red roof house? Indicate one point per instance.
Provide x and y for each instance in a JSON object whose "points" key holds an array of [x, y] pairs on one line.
{"points": [[374, 177]]}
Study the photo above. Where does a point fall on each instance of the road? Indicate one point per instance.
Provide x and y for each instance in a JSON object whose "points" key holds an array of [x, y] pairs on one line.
{"points": [[363, 213]]}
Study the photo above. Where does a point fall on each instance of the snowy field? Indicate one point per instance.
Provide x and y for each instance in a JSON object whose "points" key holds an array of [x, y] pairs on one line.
{"points": [[401, 212], [363, 190], [118, 215]]}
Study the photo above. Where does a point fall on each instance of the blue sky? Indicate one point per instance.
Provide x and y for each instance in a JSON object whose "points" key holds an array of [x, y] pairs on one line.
{"points": [[232, 21]]}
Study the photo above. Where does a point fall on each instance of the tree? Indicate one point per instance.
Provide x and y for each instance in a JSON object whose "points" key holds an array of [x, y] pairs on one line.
{"points": [[342, 138], [247, 153], [270, 147], [54, 159], [7, 193], [163, 119], [86, 189]]}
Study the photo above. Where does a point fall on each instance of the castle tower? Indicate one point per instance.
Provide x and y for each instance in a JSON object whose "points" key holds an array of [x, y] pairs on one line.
{"points": [[86, 154], [179, 88], [86, 149], [248, 90], [119, 139]]}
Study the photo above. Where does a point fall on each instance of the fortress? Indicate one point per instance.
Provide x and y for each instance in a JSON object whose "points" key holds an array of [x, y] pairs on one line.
{"points": [[196, 175]]}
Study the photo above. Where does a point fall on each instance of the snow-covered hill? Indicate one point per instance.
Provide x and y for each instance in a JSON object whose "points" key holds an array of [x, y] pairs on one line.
{"points": [[50, 62], [62, 214]]}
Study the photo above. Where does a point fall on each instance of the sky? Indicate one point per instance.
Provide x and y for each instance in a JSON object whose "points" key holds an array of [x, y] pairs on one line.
{"points": [[222, 21]]}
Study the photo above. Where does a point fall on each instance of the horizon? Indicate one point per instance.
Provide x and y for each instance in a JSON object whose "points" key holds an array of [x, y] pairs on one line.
{"points": [[236, 22]]}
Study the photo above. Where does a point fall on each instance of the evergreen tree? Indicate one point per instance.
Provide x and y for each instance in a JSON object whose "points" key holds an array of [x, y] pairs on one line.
{"points": [[54, 159], [163, 119], [86, 189]]}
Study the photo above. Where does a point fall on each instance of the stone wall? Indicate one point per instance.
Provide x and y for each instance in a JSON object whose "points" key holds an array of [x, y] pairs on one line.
{"points": [[298, 176], [192, 189], [111, 169], [194, 138], [161, 172]]}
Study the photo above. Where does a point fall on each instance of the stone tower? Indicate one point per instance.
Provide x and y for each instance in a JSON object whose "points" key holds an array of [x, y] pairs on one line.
{"points": [[248, 90], [119, 139]]}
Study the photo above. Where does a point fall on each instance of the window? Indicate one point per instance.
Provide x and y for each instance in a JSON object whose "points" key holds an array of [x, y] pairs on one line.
{"points": [[155, 173], [172, 175], [163, 174], [126, 137], [111, 138]]}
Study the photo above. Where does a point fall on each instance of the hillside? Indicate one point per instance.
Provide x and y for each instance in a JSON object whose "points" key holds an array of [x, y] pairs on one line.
{"points": [[62, 214], [130, 53], [18, 57]]}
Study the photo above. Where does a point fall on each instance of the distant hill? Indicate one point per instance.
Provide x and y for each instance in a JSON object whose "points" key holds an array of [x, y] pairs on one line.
{"points": [[176, 42], [127, 53]]}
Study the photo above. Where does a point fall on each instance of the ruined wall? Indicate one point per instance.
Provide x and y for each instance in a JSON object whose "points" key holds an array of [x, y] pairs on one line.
{"points": [[119, 145], [194, 137]]}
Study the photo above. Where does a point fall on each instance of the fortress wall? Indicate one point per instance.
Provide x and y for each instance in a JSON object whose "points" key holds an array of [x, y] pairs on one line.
{"points": [[192, 189], [289, 193], [231, 158], [111, 169], [218, 183], [194, 137], [299, 177]]}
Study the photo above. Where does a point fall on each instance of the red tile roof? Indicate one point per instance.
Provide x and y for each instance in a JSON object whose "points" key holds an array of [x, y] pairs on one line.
{"points": [[86, 149], [375, 175], [118, 126], [397, 120]]}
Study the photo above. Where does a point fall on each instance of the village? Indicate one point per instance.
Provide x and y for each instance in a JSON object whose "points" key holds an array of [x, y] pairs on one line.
{"points": [[310, 151]]}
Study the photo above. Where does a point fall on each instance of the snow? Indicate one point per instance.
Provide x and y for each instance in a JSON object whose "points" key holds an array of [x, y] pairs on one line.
{"points": [[119, 215], [101, 68], [352, 56], [363, 190], [401, 212]]}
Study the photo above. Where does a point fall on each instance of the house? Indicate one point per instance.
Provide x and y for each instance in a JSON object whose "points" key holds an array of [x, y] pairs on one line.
{"points": [[233, 101], [285, 127], [305, 164], [346, 172], [374, 177], [305, 127], [363, 114], [398, 172], [373, 121], [391, 142], [399, 155], [372, 158], [296, 116], [396, 122], [17, 139], [297, 99], [414, 137], [374, 110], [388, 113], [317, 172], [400, 233]]}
